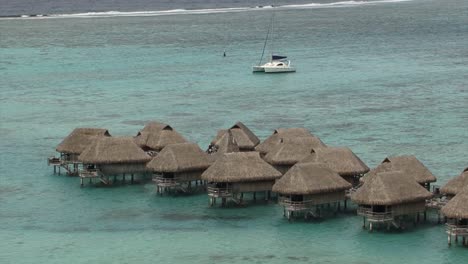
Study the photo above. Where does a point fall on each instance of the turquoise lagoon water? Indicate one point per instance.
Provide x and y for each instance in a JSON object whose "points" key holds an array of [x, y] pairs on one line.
{"points": [[383, 79]]}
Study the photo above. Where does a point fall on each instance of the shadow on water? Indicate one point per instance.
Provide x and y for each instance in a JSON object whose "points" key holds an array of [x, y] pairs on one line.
{"points": [[202, 217]]}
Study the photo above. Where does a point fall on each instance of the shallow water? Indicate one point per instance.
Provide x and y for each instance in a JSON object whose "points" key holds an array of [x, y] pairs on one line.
{"points": [[385, 79]]}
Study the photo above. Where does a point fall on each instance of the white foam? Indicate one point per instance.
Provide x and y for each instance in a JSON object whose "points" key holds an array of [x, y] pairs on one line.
{"points": [[206, 11]]}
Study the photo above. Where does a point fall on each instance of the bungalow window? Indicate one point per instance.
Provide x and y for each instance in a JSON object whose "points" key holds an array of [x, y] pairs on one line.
{"points": [[379, 209], [297, 198], [169, 175]]}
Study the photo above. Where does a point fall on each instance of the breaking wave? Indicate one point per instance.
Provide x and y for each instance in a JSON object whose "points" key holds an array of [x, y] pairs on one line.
{"points": [[200, 11]]}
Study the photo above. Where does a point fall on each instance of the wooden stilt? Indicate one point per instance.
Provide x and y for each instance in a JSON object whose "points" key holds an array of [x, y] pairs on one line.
{"points": [[345, 204], [339, 206], [370, 226], [425, 216], [241, 197], [131, 180], [456, 239], [255, 196], [449, 240], [417, 218], [363, 222], [115, 178], [268, 195], [81, 182], [55, 169], [123, 178]]}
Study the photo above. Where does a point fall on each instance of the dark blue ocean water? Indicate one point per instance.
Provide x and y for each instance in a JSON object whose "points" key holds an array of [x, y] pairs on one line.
{"points": [[384, 78]]}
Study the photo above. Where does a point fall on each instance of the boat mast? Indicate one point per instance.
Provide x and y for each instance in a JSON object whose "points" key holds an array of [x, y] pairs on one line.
{"points": [[267, 35]]}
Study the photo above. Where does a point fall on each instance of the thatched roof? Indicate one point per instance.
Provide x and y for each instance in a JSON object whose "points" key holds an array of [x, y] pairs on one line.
{"points": [[244, 137], [340, 159], [290, 152], [80, 138], [456, 184], [410, 165], [227, 143], [179, 158], [310, 178], [389, 188], [283, 133], [111, 150], [240, 167], [157, 135], [457, 207]]}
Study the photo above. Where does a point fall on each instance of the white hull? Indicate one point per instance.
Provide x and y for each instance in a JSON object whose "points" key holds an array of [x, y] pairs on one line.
{"points": [[276, 66], [258, 69], [279, 69]]}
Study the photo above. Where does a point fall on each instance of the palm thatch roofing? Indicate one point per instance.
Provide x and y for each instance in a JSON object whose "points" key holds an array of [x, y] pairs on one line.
{"points": [[282, 133], [179, 158], [310, 178], [389, 188], [340, 159], [226, 144], [244, 137], [456, 184], [290, 152], [457, 207], [409, 164], [157, 135], [240, 167], [77, 141], [113, 150]]}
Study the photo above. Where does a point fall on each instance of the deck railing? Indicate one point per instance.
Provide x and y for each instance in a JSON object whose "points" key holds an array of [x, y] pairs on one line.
{"points": [[375, 216], [166, 182], [219, 192], [436, 203], [453, 229], [89, 173], [54, 161], [296, 205]]}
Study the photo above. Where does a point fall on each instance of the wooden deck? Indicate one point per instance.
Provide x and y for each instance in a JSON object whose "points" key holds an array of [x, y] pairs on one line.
{"points": [[457, 231], [71, 167], [374, 216], [219, 192], [296, 206]]}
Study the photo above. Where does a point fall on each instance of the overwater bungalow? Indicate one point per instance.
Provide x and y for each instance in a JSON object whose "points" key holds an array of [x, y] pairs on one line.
{"points": [[408, 164], [456, 211], [246, 140], [178, 167], [112, 156], [342, 160], [237, 173], [226, 144], [283, 133], [72, 146], [306, 186], [289, 152], [455, 185], [389, 197], [155, 136]]}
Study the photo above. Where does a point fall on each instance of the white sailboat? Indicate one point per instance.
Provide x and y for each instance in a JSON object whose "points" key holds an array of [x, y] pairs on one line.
{"points": [[277, 63]]}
